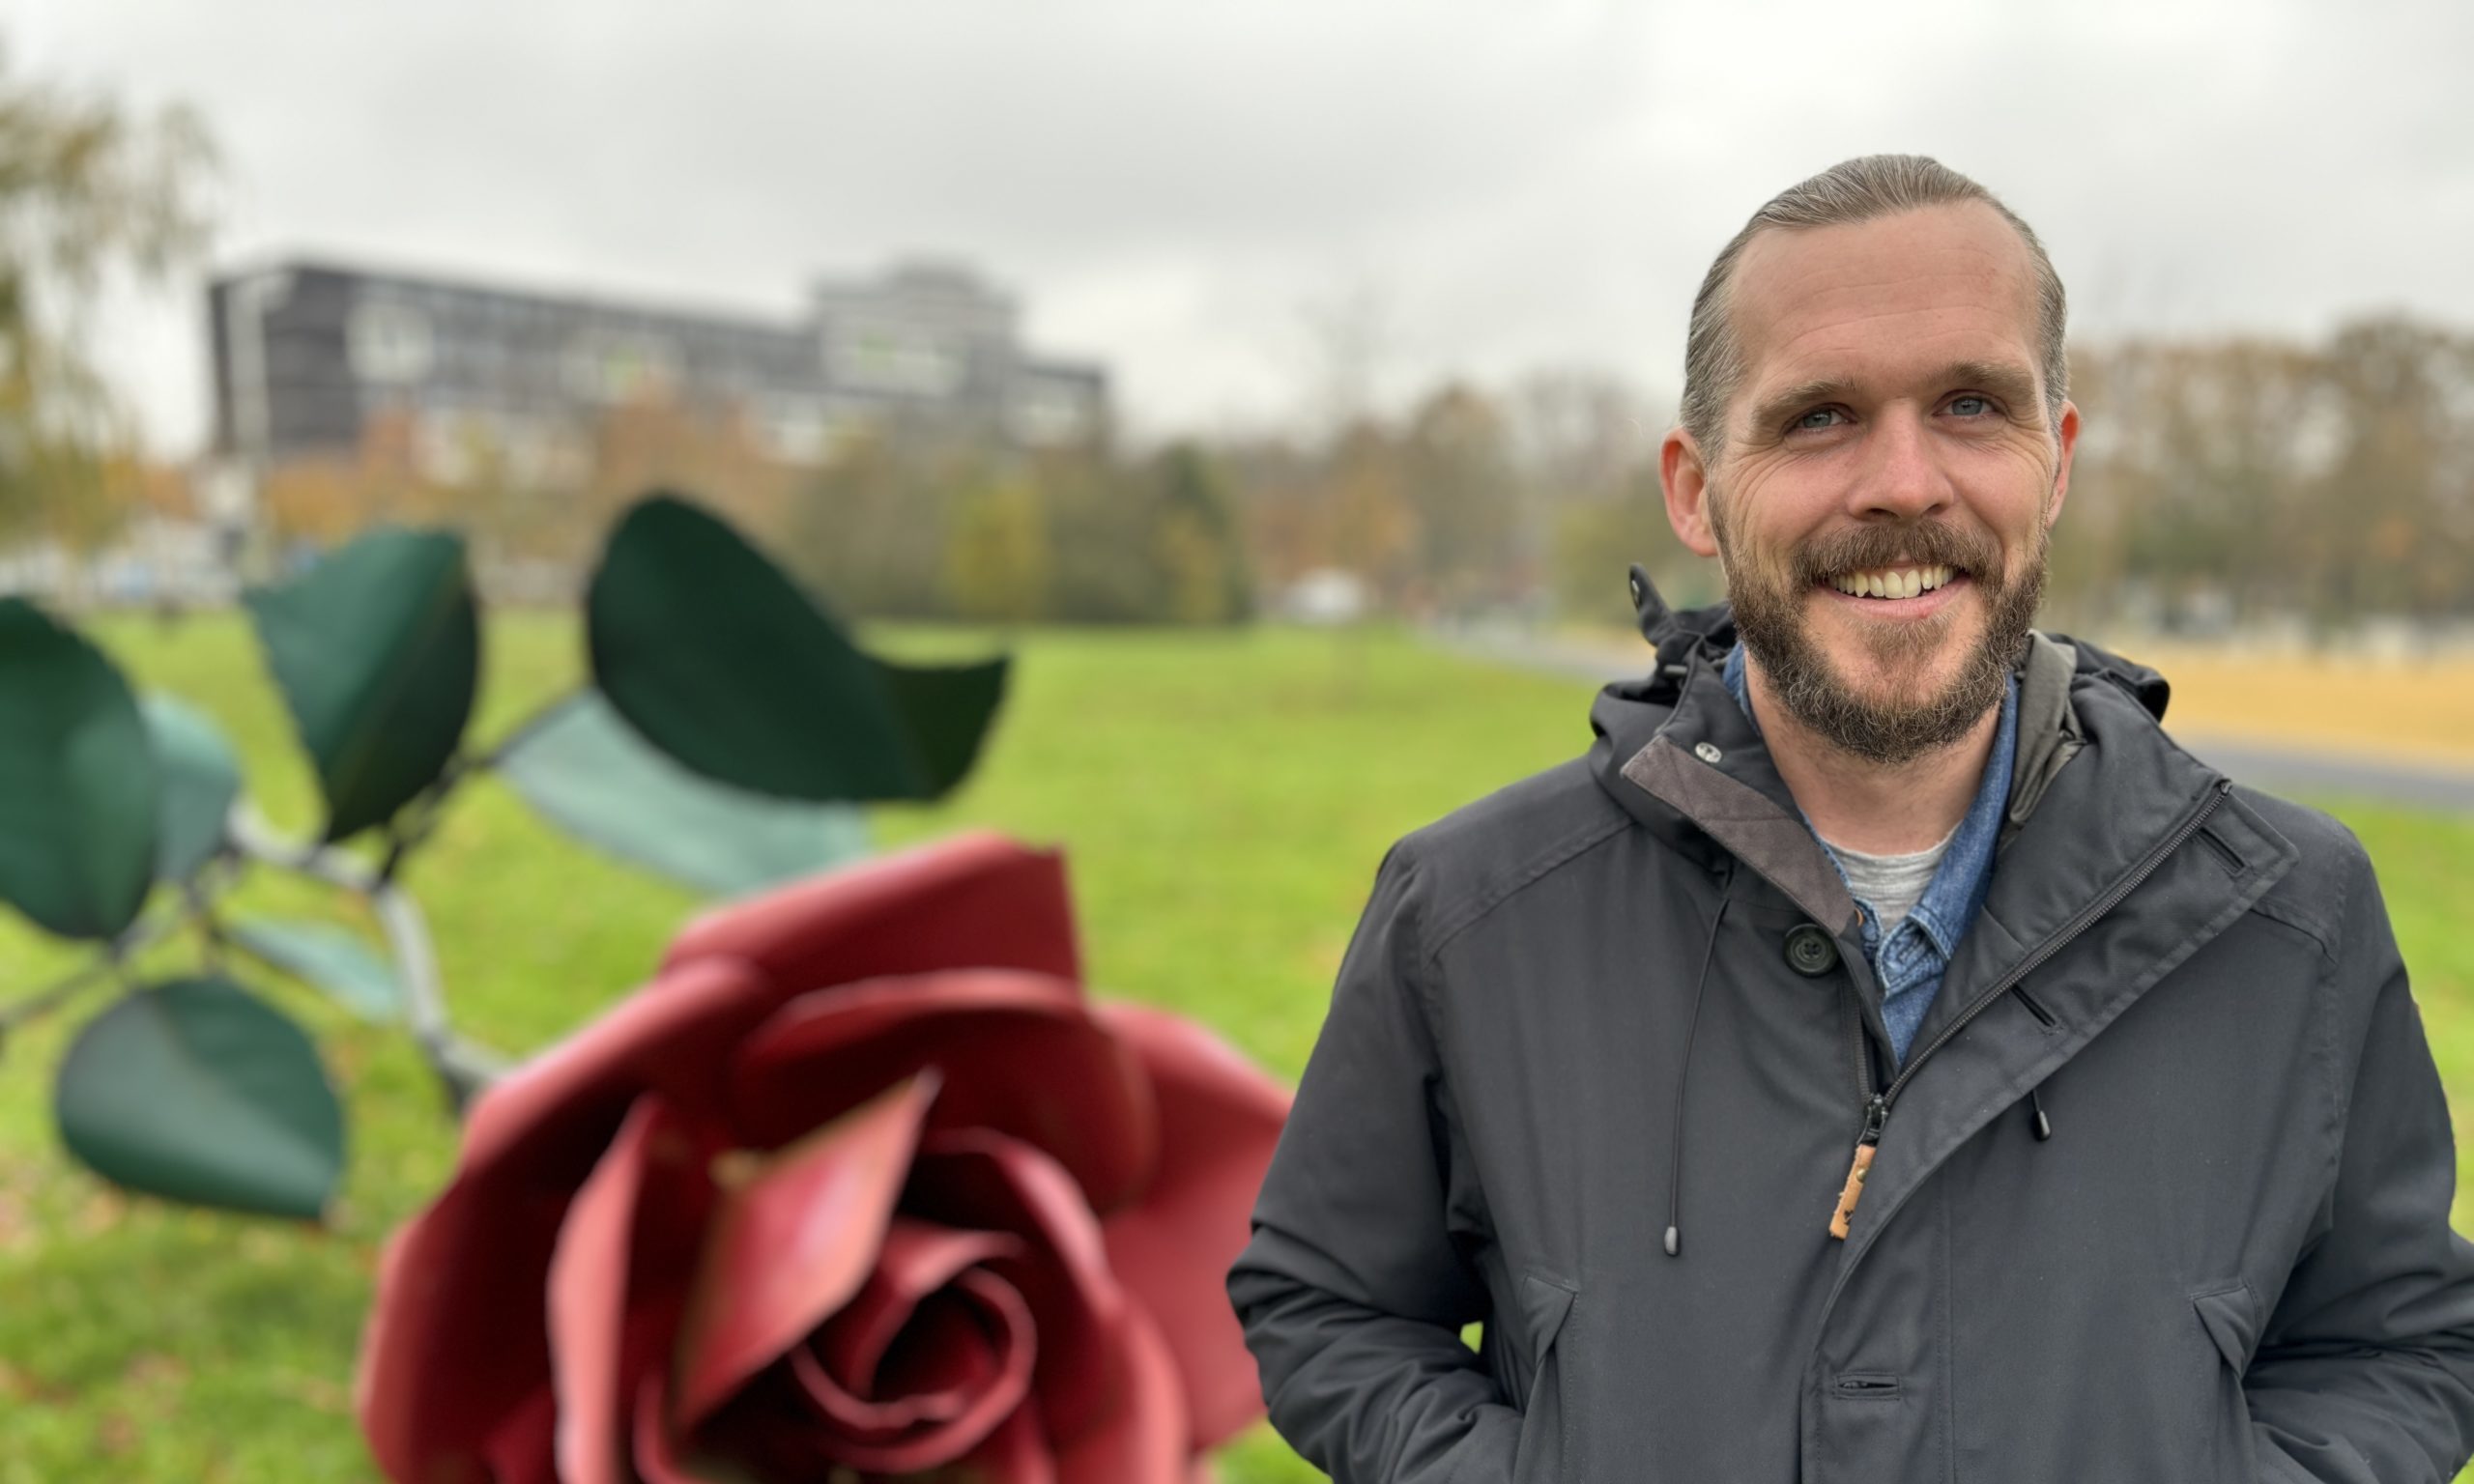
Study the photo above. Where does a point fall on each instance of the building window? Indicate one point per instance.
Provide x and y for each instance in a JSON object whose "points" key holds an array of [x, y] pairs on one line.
{"points": [[1050, 411], [904, 359], [388, 342], [620, 369]]}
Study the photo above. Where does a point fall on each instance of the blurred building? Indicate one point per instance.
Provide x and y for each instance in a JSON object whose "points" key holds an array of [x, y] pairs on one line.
{"points": [[310, 356]]}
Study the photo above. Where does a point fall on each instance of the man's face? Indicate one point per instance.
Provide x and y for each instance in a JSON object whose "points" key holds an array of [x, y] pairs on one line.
{"points": [[1888, 477]]}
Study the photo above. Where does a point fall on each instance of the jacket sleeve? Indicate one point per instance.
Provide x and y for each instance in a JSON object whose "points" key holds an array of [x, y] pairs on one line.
{"points": [[1352, 1293], [2365, 1370]]}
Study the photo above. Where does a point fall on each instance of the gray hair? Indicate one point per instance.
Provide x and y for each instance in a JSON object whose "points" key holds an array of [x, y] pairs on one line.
{"points": [[1854, 191]]}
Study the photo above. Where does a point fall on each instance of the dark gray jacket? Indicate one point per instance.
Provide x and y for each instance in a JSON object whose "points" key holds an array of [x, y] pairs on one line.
{"points": [[1628, 996]]}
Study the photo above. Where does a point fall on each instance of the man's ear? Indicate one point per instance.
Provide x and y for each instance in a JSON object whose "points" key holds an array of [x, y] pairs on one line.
{"points": [[1685, 480], [2066, 439]]}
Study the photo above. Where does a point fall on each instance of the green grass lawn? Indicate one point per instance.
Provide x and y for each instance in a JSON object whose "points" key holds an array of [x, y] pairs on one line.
{"points": [[1223, 800]]}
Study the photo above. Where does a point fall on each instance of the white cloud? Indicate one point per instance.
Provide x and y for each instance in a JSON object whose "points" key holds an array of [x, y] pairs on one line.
{"points": [[1169, 183]]}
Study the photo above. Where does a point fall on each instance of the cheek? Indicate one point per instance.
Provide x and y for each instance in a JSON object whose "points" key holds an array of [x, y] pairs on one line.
{"points": [[1770, 509], [2011, 486]]}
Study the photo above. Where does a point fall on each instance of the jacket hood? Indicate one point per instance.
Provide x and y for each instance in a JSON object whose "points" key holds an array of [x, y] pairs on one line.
{"points": [[1627, 713]]}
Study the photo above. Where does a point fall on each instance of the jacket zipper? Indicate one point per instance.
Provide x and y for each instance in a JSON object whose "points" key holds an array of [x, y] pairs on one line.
{"points": [[1876, 1111]]}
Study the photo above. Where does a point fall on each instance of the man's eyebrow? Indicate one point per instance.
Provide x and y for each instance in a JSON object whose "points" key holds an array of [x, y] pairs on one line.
{"points": [[1783, 404], [2010, 381], [2007, 380]]}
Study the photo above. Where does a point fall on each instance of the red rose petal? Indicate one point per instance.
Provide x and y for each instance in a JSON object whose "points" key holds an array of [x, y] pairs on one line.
{"points": [[555, 1113], [961, 1365], [1020, 1052], [656, 1458], [458, 1337], [1141, 1436], [1220, 1119], [1015, 1453], [588, 1303], [518, 1449], [616, 1280], [917, 1259], [976, 900], [852, 1415], [792, 1244], [974, 1178]]}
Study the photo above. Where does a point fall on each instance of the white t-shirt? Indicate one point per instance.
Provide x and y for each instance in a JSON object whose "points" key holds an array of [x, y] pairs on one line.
{"points": [[1891, 884]]}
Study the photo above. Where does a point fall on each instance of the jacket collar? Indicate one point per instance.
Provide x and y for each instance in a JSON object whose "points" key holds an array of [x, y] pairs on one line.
{"points": [[1676, 752], [1956, 887], [1703, 765]]}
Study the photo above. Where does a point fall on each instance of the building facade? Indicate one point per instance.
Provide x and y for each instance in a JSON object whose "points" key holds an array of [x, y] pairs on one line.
{"points": [[308, 357]]}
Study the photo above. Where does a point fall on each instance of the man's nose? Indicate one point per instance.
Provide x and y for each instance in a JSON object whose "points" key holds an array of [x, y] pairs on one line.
{"points": [[1901, 476]]}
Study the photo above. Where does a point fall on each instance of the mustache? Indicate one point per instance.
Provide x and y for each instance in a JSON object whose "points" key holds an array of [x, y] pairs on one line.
{"points": [[1923, 543]]}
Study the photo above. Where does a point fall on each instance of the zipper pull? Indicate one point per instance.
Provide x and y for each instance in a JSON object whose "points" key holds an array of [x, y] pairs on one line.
{"points": [[1876, 1113]]}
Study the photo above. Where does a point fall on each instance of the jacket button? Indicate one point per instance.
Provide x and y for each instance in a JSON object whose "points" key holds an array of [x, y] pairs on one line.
{"points": [[1810, 950]]}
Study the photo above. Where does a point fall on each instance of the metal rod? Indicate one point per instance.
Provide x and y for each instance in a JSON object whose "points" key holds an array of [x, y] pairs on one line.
{"points": [[462, 1068]]}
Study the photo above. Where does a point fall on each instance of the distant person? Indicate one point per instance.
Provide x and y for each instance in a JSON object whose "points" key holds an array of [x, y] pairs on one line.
{"points": [[1886, 1056]]}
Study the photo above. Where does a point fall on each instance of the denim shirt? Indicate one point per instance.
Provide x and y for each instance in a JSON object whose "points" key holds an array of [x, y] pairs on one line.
{"points": [[1911, 963]]}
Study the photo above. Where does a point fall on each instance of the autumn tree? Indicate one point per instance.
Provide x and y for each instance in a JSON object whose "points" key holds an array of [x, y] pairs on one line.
{"points": [[1457, 475], [996, 559], [90, 193], [2254, 479], [1203, 572]]}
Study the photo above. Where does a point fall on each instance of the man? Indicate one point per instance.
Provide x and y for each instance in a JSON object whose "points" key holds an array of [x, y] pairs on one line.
{"points": [[1887, 1056]]}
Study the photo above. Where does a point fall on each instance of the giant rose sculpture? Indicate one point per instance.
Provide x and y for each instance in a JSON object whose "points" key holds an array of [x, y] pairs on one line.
{"points": [[861, 1186]]}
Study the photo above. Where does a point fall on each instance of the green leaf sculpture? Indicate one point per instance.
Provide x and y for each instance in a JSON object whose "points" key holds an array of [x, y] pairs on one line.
{"points": [[585, 771], [198, 1091], [719, 660], [732, 731], [77, 816], [327, 957], [377, 650], [200, 779]]}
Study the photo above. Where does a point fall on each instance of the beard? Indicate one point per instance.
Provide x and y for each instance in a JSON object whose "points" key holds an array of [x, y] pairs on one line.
{"points": [[1770, 606]]}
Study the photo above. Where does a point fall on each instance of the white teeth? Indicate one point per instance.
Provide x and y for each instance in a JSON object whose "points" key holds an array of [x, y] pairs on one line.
{"points": [[1892, 582]]}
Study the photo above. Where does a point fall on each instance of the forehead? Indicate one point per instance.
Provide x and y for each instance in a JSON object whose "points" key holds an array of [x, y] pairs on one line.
{"points": [[1871, 301]]}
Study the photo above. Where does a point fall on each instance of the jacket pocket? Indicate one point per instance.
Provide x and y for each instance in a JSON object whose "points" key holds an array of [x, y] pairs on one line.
{"points": [[1545, 1307], [2231, 1315], [2228, 1317]]}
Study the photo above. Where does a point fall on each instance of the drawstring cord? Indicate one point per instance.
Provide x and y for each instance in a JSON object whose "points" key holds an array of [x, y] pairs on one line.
{"points": [[1684, 1073], [2041, 1123]]}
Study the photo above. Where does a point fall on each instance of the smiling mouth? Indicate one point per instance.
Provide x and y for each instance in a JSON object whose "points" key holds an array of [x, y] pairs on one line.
{"points": [[1896, 583]]}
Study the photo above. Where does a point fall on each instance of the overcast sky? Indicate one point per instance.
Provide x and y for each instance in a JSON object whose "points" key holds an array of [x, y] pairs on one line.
{"points": [[1169, 186]]}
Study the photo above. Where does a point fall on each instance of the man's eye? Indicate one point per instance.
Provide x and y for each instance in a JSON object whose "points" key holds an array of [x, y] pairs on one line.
{"points": [[1971, 406], [1819, 418]]}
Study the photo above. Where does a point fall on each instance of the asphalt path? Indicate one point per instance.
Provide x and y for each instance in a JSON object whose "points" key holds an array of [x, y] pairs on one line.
{"points": [[2296, 771]]}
